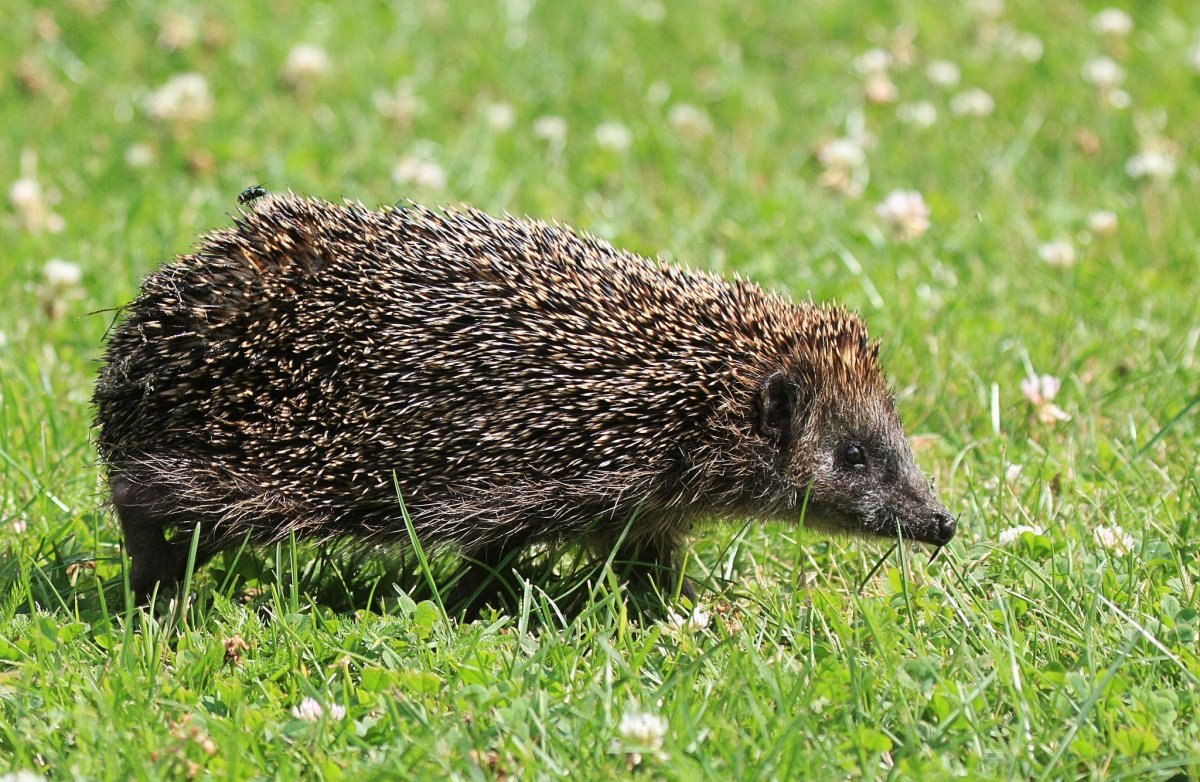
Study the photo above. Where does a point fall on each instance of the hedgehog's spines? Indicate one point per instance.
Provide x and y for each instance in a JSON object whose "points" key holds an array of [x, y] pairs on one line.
{"points": [[522, 380]]}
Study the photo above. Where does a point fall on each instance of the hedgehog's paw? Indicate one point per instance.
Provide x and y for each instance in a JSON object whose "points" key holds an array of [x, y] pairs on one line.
{"points": [[653, 566], [482, 579]]}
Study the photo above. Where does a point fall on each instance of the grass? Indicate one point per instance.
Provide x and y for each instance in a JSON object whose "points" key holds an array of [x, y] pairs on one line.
{"points": [[1053, 657]]}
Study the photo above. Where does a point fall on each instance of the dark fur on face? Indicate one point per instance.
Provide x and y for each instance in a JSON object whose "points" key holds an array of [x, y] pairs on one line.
{"points": [[829, 413]]}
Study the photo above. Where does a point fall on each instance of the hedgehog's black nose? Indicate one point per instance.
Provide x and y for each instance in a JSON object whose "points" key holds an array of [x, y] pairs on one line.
{"points": [[946, 526]]}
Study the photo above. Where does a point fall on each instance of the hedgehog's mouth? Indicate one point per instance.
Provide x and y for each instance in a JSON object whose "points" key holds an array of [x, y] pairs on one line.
{"points": [[935, 527], [832, 521]]}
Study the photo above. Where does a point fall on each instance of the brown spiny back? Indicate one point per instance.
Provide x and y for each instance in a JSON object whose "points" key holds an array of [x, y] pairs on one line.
{"points": [[514, 379]]}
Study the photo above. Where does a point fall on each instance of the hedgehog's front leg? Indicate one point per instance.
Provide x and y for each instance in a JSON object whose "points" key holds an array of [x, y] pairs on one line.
{"points": [[655, 564], [482, 577]]}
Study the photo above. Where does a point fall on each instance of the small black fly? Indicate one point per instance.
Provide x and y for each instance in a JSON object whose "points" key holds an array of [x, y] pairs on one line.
{"points": [[252, 193]]}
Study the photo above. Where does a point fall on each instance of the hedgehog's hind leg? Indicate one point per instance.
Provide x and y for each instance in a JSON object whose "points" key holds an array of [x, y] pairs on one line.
{"points": [[146, 509]]}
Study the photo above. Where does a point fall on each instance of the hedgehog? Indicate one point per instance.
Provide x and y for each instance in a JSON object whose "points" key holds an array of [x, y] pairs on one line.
{"points": [[323, 371]]}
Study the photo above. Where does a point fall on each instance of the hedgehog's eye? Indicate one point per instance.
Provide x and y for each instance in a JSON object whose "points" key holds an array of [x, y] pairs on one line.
{"points": [[854, 455]]}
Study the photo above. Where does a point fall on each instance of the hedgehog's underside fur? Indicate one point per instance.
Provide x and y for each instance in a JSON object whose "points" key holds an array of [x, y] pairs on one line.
{"points": [[517, 382]]}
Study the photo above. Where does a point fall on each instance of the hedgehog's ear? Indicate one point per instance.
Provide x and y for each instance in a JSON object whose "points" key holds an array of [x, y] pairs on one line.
{"points": [[774, 409]]}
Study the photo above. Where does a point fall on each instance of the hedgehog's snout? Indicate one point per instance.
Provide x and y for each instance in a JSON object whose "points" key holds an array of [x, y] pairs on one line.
{"points": [[945, 526], [935, 527]]}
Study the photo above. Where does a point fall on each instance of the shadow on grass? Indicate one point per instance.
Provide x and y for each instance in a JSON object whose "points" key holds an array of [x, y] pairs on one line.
{"points": [[295, 577]]}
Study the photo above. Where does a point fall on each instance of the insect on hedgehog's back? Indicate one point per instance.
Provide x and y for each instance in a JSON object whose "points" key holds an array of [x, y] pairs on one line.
{"points": [[251, 194]]}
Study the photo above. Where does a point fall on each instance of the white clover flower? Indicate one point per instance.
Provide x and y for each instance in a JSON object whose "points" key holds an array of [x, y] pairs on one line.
{"points": [[844, 162], [62, 274], [1040, 391], [907, 213], [1102, 223], [1112, 21], [1157, 164], [1051, 413], [176, 31], [1103, 72], [1028, 47], [1059, 253], [641, 731], [500, 116], [25, 194], [972, 103], [305, 64], [1118, 99], [880, 89], [550, 128], [987, 8], [841, 153], [921, 114], [183, 98], [689, 121], [18, 526], [613, 136], [400, 105], [652, 11], [22, 776], [311, 710], [658, 92], [903, 47], [697, 620], [943, 73], [419, 171], [643, 728], [873, 62], [1012, 472], [1113, 538], [139, 155], [32, 206], [1011, 535]]}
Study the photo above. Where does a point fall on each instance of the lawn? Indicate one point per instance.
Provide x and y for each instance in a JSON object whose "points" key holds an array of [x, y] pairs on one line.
{"points": [[1005, 191]]}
